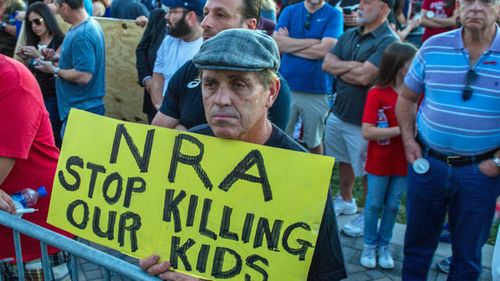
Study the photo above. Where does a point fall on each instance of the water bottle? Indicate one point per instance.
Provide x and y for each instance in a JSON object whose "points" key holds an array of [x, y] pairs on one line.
{"points": [[28, 197], [382, 122]]}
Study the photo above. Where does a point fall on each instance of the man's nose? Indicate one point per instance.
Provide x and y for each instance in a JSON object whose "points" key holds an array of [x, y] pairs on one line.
{"points": [[223, 96], [206, 22]]}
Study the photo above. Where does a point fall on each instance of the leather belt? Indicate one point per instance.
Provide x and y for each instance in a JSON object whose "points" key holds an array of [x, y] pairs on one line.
{"points": [[456, 160]]}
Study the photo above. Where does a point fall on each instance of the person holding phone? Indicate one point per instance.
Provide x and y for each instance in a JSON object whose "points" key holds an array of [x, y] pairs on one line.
{"points": [[42, 32]]}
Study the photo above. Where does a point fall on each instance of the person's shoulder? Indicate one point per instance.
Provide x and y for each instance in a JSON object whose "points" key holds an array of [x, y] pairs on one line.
{"points": [[280, 139], [157, 14], [9, 73], [444, 39], [16, 79], [295, 7], [331, 9], [385, 32], [377, 91], [203, 129], [187, 71]]}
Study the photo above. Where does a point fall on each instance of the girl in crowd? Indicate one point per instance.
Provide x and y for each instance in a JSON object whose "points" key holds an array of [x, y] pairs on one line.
{"points": [[385, 164], [43, 32], [8, 10]]}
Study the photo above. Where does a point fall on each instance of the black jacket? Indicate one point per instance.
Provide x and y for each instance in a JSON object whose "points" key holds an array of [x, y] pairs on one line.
{"points": [[146, 53]]}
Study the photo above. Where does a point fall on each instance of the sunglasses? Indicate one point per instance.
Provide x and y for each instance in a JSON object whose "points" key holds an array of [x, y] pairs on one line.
{"points": [[470, 77], [36, 21], [307, 23]]}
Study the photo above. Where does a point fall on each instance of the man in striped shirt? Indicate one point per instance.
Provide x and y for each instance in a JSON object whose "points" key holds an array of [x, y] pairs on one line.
{"points": [[459, 135]]}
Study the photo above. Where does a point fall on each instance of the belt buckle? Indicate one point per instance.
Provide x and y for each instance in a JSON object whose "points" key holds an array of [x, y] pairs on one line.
{"points": [[451, 158]]}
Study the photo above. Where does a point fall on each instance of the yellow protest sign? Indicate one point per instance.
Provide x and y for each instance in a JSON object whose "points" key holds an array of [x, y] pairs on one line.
{"points": [[218, 209]]}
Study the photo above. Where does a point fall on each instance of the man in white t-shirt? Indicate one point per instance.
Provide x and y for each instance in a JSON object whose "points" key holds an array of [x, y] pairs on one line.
{"points": [[182, 42]]}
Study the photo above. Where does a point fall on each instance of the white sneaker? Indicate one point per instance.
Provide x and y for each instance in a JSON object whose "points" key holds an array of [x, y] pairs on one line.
{"points": [[343, 207], [356, 227], [385, 260], [369, 257]]}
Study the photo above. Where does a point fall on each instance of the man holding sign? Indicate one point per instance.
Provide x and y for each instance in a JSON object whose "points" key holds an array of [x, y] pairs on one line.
{"points": [[239, 85]]}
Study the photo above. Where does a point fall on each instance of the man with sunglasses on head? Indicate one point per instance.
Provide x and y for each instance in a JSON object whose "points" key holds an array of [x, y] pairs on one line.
{"points": [[458, 136], [305, 32], [182, 42]]}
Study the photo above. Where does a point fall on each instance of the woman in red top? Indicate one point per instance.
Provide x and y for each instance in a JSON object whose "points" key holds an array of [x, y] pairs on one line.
{"points": [[385, 163]]}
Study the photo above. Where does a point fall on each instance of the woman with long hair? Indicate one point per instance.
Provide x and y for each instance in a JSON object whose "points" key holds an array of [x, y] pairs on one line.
{"points": [[8, 29], [43, 32]]}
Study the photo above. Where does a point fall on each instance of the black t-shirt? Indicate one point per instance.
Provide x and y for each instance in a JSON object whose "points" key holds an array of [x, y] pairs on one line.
{"points": [[183, 100], [328, 261], [46, 81]]}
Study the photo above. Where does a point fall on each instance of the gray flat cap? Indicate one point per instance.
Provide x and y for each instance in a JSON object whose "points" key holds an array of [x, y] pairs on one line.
{"points": [[238, 49]]}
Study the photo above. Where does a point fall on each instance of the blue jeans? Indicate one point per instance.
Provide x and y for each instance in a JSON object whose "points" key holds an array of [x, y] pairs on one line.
{"points": [[469, 197], [51, 106], [384, 194], [97, 110]]}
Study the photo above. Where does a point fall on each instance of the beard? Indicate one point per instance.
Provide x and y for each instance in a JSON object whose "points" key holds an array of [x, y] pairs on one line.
{"points": [[180, 29]]}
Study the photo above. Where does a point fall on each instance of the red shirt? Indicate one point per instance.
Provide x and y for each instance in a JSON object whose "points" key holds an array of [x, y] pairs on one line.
{"points": [[438, 7], [384, 160], [26, 136]]}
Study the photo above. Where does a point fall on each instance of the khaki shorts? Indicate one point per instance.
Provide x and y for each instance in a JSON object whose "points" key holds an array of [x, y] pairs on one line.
{"points": [[345, 142], [312, 109]]}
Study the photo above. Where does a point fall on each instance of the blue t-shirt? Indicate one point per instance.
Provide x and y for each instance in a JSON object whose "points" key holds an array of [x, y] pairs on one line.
{"points": [[303, 74], [82, 50]]}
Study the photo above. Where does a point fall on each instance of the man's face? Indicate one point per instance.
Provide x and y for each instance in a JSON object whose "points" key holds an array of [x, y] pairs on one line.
{"points": [[235, 102], [477, 15], [221, 15], [61, 10], [176, 22], [369, 11]]}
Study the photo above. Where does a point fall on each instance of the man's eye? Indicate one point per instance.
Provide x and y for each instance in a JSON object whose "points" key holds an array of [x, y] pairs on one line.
{"points": [[239, 85], [209, 85]]}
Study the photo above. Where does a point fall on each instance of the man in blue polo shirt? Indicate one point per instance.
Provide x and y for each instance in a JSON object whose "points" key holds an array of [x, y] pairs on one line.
{"points": [[459, 135], [305, 33]]}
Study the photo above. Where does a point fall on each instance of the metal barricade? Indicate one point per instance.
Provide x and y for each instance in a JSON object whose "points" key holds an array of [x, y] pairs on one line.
{"points": [[74, 248]]}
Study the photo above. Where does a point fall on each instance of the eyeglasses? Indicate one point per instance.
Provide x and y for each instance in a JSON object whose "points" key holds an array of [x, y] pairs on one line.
{"points": [[36, 21], [470, 77], [307, 23]]}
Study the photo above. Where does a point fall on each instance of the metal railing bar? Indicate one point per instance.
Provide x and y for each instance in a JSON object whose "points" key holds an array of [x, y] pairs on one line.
{"points": [[74, 267], [19, 252], [46, 266], [107, 275], [74, 247]]}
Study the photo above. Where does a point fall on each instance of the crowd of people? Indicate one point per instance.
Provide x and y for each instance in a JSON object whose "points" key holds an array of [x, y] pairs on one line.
{"points": [[337, 77]]}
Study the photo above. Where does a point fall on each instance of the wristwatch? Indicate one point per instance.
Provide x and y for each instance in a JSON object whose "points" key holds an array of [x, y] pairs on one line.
{"points": [[56, 71], [496, 159], [2, 25]]}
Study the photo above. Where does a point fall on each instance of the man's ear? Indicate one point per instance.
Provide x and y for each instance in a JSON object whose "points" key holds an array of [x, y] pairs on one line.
{"points": [[190, 18], [274, 89], [250, 24]]}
